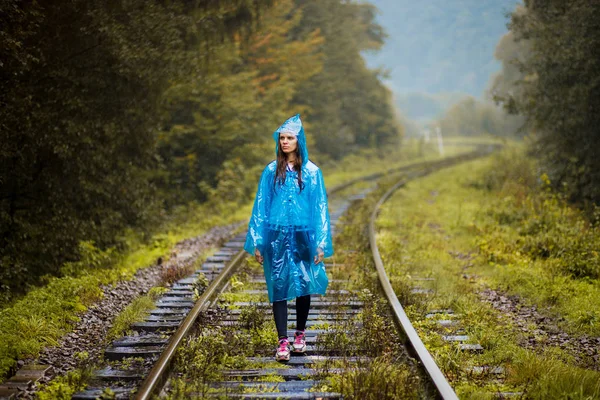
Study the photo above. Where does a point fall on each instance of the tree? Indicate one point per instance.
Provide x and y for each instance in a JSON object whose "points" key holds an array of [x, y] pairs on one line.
{"points": [[505, 87], [559, 92]]}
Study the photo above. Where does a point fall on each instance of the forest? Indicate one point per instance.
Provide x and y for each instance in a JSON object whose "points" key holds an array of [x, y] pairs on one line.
{"points": [[117, 114]]}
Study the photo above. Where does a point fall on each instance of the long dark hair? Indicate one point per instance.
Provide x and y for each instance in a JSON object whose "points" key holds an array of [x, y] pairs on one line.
{"points": [[282, 166]]}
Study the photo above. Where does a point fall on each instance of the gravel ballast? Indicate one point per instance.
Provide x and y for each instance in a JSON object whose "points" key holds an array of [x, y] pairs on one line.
{"points": [[540, 331], [89, 333]]}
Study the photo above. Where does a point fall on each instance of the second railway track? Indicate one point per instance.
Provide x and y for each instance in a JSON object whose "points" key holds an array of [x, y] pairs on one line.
{"points": [[343, 331]]}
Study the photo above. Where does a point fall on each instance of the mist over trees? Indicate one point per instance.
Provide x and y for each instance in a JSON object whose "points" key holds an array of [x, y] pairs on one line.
{"points": [[115, 113], [557, 89], [473, 117], [512, 53]]}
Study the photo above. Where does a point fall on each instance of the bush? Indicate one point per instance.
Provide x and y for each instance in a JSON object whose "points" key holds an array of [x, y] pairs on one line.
{"points": [[541, 223], [91, 258]]}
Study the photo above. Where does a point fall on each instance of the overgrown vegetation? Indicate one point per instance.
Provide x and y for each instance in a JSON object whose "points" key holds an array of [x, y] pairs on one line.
{"points": [[374, 362], [495, 223], [553, 246], [380, 378], [214, 348], [176, 271], [64, 387]]}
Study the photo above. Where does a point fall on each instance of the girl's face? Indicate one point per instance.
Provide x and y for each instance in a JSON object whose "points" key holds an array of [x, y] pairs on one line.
{"points": [[288, 142]]}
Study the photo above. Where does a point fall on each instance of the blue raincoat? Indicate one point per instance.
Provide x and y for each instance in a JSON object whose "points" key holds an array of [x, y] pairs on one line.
{"points": [[288, 225]]}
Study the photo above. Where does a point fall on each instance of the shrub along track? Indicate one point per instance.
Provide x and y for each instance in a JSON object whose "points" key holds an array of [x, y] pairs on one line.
{"points": [[352, 336]]}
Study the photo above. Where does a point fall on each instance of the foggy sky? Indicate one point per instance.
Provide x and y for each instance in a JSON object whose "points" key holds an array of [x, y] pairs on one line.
{"points": [[438, 46]]}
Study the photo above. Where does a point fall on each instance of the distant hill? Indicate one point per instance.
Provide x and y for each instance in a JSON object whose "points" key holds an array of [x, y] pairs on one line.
{"points": [[439, 46]]}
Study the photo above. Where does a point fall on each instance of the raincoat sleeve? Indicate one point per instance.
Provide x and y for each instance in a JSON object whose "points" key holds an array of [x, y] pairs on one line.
{"points": [[257, 226], [320, 215]]}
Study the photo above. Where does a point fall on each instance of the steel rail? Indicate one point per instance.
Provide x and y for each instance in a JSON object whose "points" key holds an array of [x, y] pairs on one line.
{"points": [[157, 376], [376, 175], [155, 380], [434, 372], [437, 377], [481, 149]]}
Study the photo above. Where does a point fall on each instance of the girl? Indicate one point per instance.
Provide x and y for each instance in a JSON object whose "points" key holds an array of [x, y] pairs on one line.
{"points": [[289, 232]]}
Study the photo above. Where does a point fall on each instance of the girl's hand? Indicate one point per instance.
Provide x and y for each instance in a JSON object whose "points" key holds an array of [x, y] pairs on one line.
{"points": [[319, 256], [258, 256]]}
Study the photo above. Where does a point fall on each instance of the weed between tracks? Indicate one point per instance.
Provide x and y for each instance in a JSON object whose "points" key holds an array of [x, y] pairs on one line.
{"points": [[470, 230], [173, 272], [137, 311], [63, 387]]}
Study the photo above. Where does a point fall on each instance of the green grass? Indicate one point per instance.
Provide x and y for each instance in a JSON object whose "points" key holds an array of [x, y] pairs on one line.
{"points": [[368, 162], [136, 311], [478, 219]]}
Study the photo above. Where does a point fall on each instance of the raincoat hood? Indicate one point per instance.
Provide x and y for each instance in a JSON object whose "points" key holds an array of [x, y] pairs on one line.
{"points": [[294, 126]]}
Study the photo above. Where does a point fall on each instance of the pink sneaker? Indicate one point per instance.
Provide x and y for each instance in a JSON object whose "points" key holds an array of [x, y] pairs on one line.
{"points": [[283, 350], [299, 342]]}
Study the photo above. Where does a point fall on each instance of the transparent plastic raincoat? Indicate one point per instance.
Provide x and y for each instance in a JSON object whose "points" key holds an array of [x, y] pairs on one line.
{"points": [[288, 225]]}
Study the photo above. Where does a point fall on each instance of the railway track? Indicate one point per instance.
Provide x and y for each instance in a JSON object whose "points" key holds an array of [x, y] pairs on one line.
{"points": [[234, 306]]}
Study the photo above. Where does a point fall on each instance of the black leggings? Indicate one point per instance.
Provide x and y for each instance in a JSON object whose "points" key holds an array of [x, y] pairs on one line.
{"points": [[280, 315]]}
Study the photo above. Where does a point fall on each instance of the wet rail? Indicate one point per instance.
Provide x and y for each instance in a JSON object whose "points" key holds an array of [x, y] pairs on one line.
{"points": [[156, 340]]}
